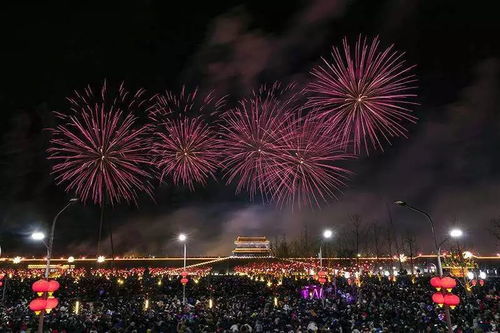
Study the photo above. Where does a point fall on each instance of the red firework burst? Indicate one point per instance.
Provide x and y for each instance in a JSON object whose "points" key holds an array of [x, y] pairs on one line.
{"points": [[250, 134], [185, 147], [308, 173], [365, 95], [99, 150]]}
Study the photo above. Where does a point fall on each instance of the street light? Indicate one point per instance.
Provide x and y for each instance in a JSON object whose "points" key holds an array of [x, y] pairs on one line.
{"points": [[437, 246], [183, 238], [456, 233], [41, 236], [327, 234], [38, 236]]}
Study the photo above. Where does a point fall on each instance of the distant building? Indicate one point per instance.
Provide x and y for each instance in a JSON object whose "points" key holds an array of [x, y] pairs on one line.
{"points": [[252, 247]]}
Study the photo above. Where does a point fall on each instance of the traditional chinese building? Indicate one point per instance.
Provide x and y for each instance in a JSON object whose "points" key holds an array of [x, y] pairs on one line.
{"points": [[252, 247]]}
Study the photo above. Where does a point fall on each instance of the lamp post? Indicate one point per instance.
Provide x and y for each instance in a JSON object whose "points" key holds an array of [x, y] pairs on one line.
{"points": [[438, 250], [327, 234], [183, 238], [39, 236]]}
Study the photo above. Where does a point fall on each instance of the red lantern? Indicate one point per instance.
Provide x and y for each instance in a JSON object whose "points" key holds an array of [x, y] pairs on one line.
{"points": [[184, 281], [481, 283], [38, 305], [448, 283], [451, 300], [438, 298], [1, 283], [321, 280], [473, 283], [436, 283], [52, 302], [40, 287], [184, 274], [322, 273], [52, 287]]}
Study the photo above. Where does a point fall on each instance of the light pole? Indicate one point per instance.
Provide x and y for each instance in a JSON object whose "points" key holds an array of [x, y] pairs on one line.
{"points": [[183, 238], [438, 250], [327, 234], [39, 236]]}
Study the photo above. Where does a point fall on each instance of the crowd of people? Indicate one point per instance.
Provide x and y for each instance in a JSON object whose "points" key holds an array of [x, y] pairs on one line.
{"points": [[151, 300]]}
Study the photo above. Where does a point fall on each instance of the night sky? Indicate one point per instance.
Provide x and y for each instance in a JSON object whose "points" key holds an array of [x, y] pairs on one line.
{"points": [[448, 166]]}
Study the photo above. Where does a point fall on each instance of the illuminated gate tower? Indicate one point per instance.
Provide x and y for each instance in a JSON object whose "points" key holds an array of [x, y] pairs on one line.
{"points": [[252, 247]]}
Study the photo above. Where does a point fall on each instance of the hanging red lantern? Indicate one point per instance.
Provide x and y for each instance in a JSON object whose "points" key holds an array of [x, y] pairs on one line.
{"points": [[184, 281], [52, 287], [40, 287], [481, 283], [322, 273], [321, 280], [436, 282], [1, 283], [448, 283], [184, 274], [473, 282], [438, 298], [52, 302], [451, 300], [38, 305]]}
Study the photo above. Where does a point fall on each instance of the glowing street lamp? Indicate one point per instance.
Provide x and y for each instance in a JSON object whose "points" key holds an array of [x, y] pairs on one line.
{"points": [[101, 259], [183, 238], [456, 233], [38, 236], [327, 234]]}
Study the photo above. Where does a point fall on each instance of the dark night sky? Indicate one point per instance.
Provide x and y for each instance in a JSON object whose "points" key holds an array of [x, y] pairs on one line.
{"points": [[448, 166]]}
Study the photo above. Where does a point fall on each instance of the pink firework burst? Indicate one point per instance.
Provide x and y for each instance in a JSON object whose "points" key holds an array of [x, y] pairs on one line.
{"points": [[99, 149], [308, 171], [250, 133], [365, 95], [185, 147]]}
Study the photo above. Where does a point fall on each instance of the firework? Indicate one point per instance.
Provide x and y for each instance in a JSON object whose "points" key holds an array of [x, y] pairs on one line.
{"points": [[185, 147], [99, 150], [364, 95], [308, 171], [250, 133]]}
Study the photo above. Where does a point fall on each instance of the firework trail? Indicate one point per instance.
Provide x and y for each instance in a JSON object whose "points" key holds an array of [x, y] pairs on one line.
{"points": [[250, 134], [364, 95], [99, 150], [185, 147], [308, 171]]}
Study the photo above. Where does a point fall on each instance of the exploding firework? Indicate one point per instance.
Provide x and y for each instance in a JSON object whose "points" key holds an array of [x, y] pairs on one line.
{"points": [[308, 171], [250, 135], [99, 149], [185, 147], [364, 95]]}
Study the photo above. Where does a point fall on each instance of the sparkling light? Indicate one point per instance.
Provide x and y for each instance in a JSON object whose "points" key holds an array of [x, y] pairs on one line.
{"points": [[364, 94], [99, 149]]}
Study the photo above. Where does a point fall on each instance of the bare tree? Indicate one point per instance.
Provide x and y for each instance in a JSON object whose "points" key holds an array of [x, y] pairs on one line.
{"points": [[356, 232], [375, 233], [409, 241], [495, 227]]}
